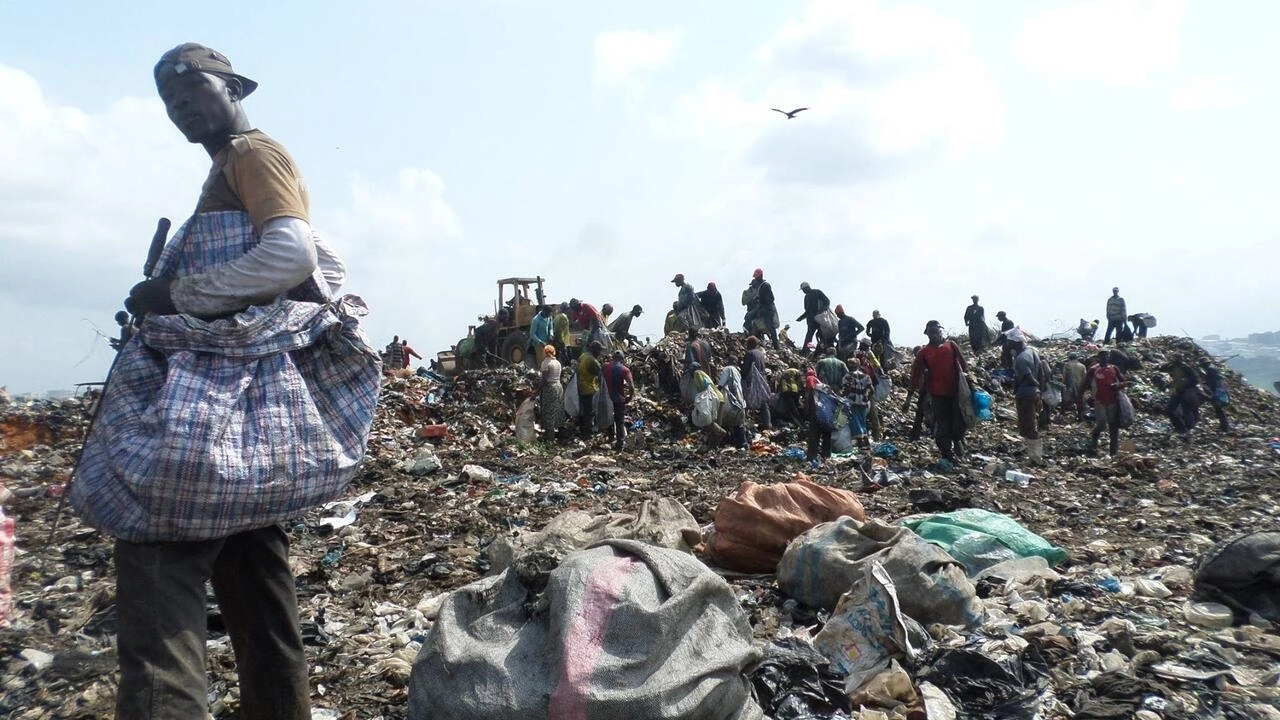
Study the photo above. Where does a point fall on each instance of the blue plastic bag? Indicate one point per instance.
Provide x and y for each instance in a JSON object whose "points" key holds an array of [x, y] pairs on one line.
{"points": [[982, 404]]}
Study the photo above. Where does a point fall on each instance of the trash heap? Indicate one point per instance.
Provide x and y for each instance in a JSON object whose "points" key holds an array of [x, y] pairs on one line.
{"points": [[1143, 585]]}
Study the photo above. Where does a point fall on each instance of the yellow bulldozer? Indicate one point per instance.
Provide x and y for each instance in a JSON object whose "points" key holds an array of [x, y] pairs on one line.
{"points": [[502, 337]]}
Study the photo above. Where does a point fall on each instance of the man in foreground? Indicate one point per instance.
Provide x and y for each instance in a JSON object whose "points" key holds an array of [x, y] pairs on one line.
{"points": [[193, 484]]}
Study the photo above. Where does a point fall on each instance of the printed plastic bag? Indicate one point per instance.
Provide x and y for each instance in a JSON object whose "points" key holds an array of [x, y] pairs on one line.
{"points": [[867, 630]]}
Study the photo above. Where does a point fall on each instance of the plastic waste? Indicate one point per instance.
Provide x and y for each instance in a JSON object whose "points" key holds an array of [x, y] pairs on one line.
{"points": [[1209, 615], [526, 431], [1019, 478], [982, 404], [794, 681]]}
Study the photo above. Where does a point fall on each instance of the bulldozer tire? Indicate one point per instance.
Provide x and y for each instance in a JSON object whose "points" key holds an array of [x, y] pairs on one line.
{"points": [[515, 349]]}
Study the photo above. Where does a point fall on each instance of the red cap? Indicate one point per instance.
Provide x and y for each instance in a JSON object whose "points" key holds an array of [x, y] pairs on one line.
{"points": [[758, 273]]}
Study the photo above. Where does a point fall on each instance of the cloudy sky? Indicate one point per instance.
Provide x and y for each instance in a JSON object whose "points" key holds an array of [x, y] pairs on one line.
{"points": [[1035, 153]]}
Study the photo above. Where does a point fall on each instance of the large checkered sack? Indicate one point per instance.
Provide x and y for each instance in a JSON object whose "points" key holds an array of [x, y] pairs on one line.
{"points": [[618, 631], [208, 428]]}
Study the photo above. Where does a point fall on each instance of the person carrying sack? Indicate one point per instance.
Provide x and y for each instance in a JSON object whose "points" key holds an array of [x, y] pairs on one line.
{"points": [[247, 399], [943, 364]]}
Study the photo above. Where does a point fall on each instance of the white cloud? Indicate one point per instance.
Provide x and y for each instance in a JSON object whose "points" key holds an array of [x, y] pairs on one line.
{"points": [[1123, 41], [623, 55], [1215, 92]]}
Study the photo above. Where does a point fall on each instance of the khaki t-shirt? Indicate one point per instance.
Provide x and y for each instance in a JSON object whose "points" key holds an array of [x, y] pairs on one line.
{"points": [[254, 173]]}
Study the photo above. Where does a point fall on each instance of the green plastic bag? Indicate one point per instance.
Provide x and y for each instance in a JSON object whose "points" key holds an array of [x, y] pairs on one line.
{"points": [[980, 539]]}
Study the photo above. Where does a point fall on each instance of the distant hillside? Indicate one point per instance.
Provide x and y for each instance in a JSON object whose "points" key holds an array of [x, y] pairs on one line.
{"points": [[1256, 357]]}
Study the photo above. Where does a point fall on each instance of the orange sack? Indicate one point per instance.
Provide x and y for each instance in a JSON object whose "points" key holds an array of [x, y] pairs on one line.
{"points": [[755, 522]]}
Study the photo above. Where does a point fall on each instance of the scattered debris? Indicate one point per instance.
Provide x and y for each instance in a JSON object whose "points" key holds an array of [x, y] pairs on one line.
{"points": [[1117, 626]]}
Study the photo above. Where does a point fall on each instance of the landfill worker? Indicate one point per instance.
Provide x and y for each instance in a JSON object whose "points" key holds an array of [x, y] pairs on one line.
{"points": [[1183, 407], [975, 318], [1006, 353], [407, 352], [847, 332], [688, 314], [1219, 397], [755, 381], [1116, 315], [1087, 329], [831, 370], [790, 387], [540, 332], [940, 362], [560, 332], [127, 331], [858, 387], [587, 317], [249, 245], [588, 386], [697, 352], [819, 447], [1029, 381], [393, 355], [816, 302], [871, 366], [621, 387], [761, 318], [621, 326], [1139, 323], [1106, 381], [1073, 374], [712, 303], [784, 337], [881, 345], [551, 413]]}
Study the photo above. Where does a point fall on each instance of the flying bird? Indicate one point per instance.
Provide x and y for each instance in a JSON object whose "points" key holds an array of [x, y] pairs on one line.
{"points": [[791, 114]]}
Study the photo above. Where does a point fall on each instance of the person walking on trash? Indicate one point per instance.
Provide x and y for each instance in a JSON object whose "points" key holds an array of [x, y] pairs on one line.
{"points": [[1030, 379], [942, 362], [975, 318], [712, 304], [815, 303], [761, 318], [847, 331], [1116, 315], [621, 387], [1106, 381], [241, 304], [621, 326]]}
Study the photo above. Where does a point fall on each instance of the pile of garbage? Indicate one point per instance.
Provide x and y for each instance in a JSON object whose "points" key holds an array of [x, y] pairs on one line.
{"points": [[675, 579]]}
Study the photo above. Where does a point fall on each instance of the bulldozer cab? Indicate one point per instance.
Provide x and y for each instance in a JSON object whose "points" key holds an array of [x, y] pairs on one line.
{"points": [[518, 301]]}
